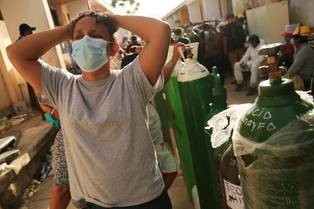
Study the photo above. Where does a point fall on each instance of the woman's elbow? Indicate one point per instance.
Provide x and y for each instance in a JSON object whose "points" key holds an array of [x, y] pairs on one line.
{"points": [[164, 29], [9, 51]]}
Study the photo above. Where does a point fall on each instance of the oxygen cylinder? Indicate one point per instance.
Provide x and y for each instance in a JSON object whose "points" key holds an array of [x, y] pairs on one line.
{"points": [[273, 146], [178, 123], [195, 90], [219, 94], [219, 103], [163, 112]]}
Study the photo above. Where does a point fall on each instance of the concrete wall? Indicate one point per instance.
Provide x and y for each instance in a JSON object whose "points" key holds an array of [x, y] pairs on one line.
{"points": [[301, 11], [268, 21], [226, 7], [195, 14], [184, 15], [5, 100], [35, 13], [74, 7], [173, 20], [58, 8], [211, 9], [9, 85], [241, 5]]}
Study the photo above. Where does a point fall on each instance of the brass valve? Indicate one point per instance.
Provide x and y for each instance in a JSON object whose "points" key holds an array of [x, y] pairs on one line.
{"points": [[271, 68]]}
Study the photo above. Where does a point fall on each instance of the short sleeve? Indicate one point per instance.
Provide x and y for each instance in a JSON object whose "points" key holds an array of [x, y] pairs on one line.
{"points": [[51, 82], [135, 76]]}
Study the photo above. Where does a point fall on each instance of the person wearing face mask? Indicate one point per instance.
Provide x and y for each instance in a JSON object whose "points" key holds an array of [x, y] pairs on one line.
{"points": [[133, 42], [110, 156], [60, 196], [287, 52], [249, 62], [180, 37], [60, 193], [303, 64], [209, 49], [26, 30], [192, 35]]}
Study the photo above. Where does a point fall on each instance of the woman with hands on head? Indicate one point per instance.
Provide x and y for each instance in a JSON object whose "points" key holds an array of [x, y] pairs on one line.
{"points": [[110, 157]]}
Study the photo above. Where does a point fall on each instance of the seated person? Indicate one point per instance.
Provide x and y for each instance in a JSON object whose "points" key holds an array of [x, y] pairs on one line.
{"points": [[303, 64], [249, 62], [287, 51]]}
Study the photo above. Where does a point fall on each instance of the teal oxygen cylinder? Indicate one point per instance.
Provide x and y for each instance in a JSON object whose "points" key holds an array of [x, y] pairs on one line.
{"points": [[195, 89]]}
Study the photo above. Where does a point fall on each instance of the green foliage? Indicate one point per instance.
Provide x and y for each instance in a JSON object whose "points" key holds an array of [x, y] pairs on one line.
{"points": [[132, 5]]}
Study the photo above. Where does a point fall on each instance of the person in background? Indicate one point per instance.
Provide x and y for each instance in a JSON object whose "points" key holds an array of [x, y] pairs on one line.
{"points": [[226, 67], [311, 40], [26, 30], [234, 39], [110, 156], [249, 62], [180, 37], [303, 64], [125, 42], [166, 160], [192, 35], [60, 193], [134, 51], [133, 42], [209, 49], [287, 52], [242, 19]]}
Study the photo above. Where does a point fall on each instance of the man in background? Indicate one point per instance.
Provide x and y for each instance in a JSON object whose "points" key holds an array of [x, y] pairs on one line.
{"points": [[303, 64], [249, 62], [234, 39], [26, 30]]}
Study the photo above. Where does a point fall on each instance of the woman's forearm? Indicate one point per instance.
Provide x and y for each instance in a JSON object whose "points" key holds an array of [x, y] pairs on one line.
{"points": [[156, 34], [32, 47], [145, 27]]}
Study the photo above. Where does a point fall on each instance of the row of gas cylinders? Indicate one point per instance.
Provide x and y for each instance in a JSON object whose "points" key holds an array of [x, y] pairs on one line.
{"points": [[267, 163]]}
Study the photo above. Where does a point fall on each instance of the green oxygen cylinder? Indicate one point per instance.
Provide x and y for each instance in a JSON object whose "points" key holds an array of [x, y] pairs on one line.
{"points": [[274, 148], [162, 106], [178, 123], [195, 90], [219, 104], [219, 94]]}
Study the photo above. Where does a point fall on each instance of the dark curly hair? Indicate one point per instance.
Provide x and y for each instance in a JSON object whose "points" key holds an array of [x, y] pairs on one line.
{"points": [[101, 19]]}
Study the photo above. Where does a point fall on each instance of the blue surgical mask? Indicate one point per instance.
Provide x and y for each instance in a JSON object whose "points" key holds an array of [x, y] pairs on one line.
{"points": [[90, 53], [51, 120]]}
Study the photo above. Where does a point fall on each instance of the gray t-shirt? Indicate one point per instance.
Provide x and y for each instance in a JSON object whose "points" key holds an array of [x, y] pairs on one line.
{"points": [[110, 156], [303, 63]]}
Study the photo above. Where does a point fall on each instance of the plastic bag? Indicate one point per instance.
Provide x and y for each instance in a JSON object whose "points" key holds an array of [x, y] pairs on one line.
{"points": [[222, 124], [278, 173]]}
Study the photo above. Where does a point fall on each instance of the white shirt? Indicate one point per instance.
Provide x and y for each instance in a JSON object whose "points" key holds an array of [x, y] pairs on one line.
{"points": [[251, 55]]}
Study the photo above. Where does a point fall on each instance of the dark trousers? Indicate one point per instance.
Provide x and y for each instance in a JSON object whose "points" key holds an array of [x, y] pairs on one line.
{"points": [[161, 202]]}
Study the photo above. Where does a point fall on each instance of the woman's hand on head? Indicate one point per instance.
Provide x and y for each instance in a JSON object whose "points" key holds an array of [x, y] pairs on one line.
{"points": [[176, 51]]}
